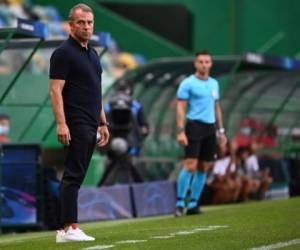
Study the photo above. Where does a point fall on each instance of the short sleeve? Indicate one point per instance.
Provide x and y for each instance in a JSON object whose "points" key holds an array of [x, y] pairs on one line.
{"points": [[216, 91], [59, 65], [217, 166], [252, 163], [183, 92]]}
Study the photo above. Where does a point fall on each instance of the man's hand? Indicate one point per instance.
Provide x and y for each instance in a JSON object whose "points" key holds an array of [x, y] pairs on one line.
{"points": [[182, 139], [222, 139], [104, 136], [63, 134], [233, 147]]}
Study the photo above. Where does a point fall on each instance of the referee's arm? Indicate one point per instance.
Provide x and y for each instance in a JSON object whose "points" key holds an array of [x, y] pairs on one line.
{"points": [[180, 118], [219, 121]]}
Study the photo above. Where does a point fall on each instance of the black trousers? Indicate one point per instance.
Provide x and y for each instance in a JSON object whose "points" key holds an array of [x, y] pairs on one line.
{"points": [[77, 158]]}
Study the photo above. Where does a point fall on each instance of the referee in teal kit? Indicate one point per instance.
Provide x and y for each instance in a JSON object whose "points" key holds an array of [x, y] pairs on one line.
{"points": [[198, 103]]}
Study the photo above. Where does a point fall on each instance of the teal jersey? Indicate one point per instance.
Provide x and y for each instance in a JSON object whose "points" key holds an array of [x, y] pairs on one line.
{"points": [[201, 96]]}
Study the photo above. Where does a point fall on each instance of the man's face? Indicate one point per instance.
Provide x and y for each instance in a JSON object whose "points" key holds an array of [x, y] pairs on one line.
{"points": [[82, 25], [203, 64], [4, 126]]}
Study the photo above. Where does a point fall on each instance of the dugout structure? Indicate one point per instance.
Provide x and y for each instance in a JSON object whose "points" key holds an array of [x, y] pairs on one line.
{"points": [[20, 202], [260, 88]]}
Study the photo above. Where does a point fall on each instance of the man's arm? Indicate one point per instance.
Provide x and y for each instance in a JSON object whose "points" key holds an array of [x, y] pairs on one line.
{"points": [[103, 116], [62, 130], [219, 121], [218, 115], [103, 130], [180, 119]]}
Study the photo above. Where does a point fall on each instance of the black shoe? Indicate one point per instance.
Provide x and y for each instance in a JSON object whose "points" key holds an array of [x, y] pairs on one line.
{"points": [[179, 211], [194, 211]]}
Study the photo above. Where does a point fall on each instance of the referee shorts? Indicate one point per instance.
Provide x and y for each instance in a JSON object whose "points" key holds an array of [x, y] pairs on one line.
{"points": [[202, 141]]}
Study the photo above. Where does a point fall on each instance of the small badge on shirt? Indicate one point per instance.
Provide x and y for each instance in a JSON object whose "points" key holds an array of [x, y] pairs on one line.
{"points": [[214, 94]]}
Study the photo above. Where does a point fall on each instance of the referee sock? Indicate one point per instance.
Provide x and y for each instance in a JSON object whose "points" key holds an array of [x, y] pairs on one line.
{"points": [[183, 183], [197, 186]]}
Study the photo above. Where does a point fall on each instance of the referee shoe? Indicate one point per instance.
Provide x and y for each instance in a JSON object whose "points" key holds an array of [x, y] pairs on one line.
{"points": [[179, 211], [194, 211]]}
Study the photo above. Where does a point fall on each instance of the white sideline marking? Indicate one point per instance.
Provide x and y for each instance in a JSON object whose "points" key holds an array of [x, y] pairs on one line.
{"points": [[277, 245], [209, 228], [183, 233], [171, 235], [162, 237], [21, 238], [98, 247], [130, 241], [217, 226], [199, 229]]}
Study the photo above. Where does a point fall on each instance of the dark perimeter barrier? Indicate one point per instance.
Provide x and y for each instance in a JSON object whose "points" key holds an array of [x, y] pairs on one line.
{"points": [[106, 203], [126, 201], [154, 198], [20, 186]]}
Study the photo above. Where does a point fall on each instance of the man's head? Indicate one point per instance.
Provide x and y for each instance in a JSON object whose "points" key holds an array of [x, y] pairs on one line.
{"points": [[243, 153], [81, 20], [203, 62], [4, 127], [125, 88]]}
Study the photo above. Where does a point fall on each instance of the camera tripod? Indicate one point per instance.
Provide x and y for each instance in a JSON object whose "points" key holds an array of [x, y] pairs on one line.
{"points": [[120, 170]]}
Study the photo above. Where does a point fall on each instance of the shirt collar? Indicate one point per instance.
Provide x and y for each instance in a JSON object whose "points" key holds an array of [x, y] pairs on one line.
{"points": [[73, 41], [203, 80]]}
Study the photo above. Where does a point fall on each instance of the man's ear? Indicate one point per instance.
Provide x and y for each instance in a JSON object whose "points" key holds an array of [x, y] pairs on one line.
{"points": [[195, 63]]}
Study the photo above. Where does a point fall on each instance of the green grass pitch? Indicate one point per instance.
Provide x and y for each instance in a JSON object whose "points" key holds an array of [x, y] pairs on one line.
{"points": [[242, 226]]}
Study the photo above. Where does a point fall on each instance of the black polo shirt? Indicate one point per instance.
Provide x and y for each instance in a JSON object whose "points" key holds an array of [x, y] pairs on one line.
{"points": [[81, 70]]}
